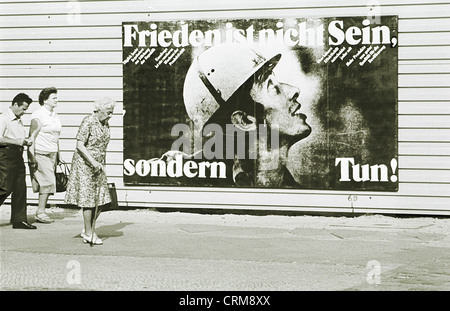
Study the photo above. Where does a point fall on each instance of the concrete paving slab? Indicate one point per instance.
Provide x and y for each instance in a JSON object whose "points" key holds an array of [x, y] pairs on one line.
{"points": [[150, 250]]}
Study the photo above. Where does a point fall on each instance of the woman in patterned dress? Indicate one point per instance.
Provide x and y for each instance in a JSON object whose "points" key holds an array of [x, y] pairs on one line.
{"points": [[87, 173]]}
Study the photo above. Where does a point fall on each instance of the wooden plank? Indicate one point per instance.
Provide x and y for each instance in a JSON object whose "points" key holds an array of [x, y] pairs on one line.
{"points": [[425, 149], [423, 52], [84, 108], [142, 194], [371, 201], [427, 80], [66, 95], [61, 70], [417, 9], [423, 94], [424, 162], [411, 67], [435, 121], [62, 45], [259, 199], [53, 33], [71, 108], [424, 107], [431, 135], [241, 199], [63, 82], [49, 58], [389, 202], [74, 120], [203, 196], [427, 208], [424, 189], [74, 7], [425, 176], [425, 38], [71, 7], [406, 23], [251, 3], [423, 25], [52, 20]]}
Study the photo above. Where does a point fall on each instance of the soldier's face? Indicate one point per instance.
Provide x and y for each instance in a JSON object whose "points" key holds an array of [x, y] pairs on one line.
{"points": [[281, 106]]}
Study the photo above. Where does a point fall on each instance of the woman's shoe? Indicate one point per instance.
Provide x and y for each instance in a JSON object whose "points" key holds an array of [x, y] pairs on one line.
{"points": [[87, 239], [43, 218]]}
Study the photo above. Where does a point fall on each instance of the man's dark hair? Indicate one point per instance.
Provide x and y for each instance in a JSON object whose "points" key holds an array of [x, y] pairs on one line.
{"points": [[22, 98], [45, 94]]}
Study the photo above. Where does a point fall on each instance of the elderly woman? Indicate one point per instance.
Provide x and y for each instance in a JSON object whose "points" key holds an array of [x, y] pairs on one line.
{"points": [[43, 154], [87, 187]]}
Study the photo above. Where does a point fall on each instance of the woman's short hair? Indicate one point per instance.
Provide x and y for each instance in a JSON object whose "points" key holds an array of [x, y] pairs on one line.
{"points": [[45, 94], [104, 103]]}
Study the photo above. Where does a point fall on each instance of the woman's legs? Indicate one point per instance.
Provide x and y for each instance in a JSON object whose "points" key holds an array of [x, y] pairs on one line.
{"points": [[87, 217], [88, 220], [45, 179], [43, 199], [41, 216]]}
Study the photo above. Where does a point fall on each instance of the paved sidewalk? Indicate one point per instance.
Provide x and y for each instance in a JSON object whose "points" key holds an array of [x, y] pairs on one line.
{"points": [[149, 250]]}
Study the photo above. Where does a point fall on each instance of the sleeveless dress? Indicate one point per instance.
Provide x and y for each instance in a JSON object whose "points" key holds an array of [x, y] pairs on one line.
{"points": [[83, 184]]}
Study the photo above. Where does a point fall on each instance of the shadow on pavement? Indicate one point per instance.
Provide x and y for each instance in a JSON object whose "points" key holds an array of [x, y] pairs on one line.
{"points": [[112, 231]]}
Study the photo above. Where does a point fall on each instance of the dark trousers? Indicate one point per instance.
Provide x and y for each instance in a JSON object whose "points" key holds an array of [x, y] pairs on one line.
{"points": [[12, 180]]}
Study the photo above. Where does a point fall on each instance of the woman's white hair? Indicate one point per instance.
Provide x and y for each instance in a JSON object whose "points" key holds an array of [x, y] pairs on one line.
{"points": [[104, 103]]}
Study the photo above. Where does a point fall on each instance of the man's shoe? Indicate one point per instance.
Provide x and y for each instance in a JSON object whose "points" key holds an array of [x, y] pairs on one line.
{"points": [[23, 225]]}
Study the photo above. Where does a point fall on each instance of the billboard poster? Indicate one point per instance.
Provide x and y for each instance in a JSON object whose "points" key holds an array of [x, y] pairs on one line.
{"points": [[298, 103]]}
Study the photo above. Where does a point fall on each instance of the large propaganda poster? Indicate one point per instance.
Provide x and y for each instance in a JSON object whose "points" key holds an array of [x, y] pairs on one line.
{"points": [[267, 103]]}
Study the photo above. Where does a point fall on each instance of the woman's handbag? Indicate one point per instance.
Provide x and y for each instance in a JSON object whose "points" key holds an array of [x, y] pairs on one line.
{"points": [[62, 177]]}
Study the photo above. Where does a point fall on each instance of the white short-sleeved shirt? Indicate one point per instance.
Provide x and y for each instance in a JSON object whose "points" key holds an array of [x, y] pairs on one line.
{"points": [[11, 126], [47, 139]]}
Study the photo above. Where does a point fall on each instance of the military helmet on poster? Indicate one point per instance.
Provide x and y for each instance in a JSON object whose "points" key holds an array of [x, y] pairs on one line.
{"points": [[216, 74]]}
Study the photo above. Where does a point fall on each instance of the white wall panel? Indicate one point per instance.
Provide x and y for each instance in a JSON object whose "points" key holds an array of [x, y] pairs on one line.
{"points": [[42, 43]]}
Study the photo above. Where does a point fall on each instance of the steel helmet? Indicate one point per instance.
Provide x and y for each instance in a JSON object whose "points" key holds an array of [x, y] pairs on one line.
{"points": [[216, 74]]}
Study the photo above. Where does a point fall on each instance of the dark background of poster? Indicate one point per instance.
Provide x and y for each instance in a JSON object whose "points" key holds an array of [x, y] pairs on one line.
{"points": [[366, 96], [367, 131]]}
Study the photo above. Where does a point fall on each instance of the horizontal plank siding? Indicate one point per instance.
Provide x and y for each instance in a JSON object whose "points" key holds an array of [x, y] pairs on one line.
{"points": [[76, 46]]}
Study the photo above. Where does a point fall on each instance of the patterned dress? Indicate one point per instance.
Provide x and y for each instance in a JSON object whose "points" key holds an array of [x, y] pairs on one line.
{"points": [[83, 184]]}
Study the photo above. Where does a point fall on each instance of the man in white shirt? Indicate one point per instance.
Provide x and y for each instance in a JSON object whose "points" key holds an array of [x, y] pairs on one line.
{"points": [[12, 167]]}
